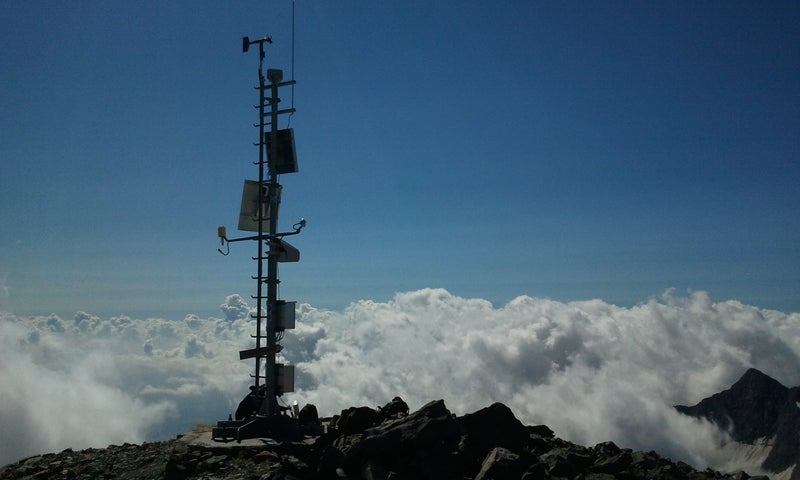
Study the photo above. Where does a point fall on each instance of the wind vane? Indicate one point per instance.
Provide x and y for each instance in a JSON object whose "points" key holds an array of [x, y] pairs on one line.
{"points": [[259, 413]]}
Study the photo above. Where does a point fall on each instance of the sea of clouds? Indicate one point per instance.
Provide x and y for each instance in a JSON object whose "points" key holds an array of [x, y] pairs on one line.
{"points": [[590, 370]]}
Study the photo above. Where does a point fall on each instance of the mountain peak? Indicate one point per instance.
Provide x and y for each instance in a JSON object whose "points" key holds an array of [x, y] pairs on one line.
{"points": [[756, 407], [749, 409], [756, 381]]}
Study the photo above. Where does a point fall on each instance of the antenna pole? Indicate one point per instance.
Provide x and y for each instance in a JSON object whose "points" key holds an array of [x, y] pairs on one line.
{"points": [[259, 256], [259, 413], [269, 406]]}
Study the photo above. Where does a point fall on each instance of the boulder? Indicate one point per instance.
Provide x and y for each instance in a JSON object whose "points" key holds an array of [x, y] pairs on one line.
{"points": [[373, 470], [357, 419], [212, 464], [566, 462], [330, 459], [535, 471], [607, 448], [540, 431], [490, 427], [501, 464], [396, 407], [613, 464], [428, 428], [418, 445], [308, 416]]}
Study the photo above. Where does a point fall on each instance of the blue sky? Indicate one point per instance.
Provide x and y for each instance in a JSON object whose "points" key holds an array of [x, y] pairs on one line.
{"points": [[564, 150]]}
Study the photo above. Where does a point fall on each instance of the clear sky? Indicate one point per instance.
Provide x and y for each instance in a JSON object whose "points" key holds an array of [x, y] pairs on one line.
{"points": [[569, 150]]}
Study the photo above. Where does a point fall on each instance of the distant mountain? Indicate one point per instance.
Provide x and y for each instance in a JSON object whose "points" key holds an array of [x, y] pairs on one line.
{"points": [[758, 410]]}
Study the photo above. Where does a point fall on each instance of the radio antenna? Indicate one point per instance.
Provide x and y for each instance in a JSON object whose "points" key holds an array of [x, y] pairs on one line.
{"points": [[259, 413], [289, 120]]}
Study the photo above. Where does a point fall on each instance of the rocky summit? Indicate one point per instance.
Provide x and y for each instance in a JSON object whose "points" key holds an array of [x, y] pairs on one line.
{"points": [[372, 444], [759, 411]]}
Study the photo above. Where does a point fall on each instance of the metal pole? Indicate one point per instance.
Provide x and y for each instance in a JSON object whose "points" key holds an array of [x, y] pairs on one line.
{"points": [[260, 274], [272, 259]]}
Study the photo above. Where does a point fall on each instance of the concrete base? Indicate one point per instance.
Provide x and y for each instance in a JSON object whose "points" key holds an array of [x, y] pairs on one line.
{"points": [[252, 431], [200, 436]]}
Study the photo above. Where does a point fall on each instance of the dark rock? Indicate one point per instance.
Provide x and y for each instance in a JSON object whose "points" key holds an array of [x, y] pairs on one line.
{"points": [[756, 407], [539, 445], [566, 462], [428, 428], [607, 448], [785, 452], [490, 427], [177, 468], [414, 446], [308, 415], [540, 430], [685, 467], [333, 423], [740, 475], [749, 409], [535, 471], [296, 465], [341, 474], [396, 407], [357, 419], [500, 464], [427, 444], [667, 472], [599, 476], [613, 464], [266, 456], [348, 445], [212, 463], [374, 470], [330, 459], [175, 471], [644, 460]]}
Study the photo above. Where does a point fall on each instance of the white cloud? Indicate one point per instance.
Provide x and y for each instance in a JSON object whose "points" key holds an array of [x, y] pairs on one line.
{"points": [[92, 382], [590, 370], [235, 307], [53, 398]]}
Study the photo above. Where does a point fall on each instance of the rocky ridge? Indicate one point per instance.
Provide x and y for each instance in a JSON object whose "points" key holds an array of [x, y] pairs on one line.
{"points": [[758, 411], [374, 444]]}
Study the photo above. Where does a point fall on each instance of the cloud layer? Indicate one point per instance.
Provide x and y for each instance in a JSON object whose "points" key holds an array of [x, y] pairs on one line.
{"points": [[590, 370]]}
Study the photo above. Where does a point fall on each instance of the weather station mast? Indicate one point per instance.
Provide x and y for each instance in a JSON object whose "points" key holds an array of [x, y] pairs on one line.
{"points": [[259, 414]]}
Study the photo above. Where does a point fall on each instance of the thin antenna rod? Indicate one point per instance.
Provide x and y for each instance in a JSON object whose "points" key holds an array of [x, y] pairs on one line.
{"points": [[293, 51], [289, 120]]}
